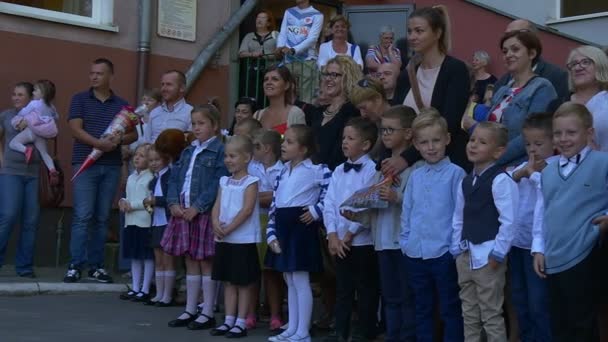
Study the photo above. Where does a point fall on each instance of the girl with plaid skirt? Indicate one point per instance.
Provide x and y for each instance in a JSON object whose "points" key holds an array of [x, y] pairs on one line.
{"points": [[193, 186]]}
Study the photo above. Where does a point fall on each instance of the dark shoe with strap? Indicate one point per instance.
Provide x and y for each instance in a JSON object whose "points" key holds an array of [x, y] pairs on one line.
{"points": [[220, 332], [241, 332], [141, 297], [129, 295], [194, 325], [160, 304], [178, 323]]}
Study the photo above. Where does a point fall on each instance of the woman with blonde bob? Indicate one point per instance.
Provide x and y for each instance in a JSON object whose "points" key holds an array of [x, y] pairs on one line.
{"points": [[588, 81]]}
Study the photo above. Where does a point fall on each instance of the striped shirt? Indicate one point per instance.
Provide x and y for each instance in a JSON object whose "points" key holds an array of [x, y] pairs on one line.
{"points": [[303, 186], [96, 117]]}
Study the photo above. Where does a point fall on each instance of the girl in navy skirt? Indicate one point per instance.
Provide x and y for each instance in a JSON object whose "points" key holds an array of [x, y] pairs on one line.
{"points": [[293, 227], [193, 185], [236, 224], [136, 243], [156, 203]]}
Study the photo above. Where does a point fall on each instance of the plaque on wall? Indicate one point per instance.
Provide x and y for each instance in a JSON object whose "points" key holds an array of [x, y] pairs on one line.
{"points": [[177, 19]]}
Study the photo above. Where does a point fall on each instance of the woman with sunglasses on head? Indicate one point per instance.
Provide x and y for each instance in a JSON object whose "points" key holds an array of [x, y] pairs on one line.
{"points": [[588, 81], [243, 109], [280, 113], [338, 78]]}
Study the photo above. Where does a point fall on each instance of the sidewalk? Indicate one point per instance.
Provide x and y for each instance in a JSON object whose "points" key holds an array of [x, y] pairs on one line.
{"points": [[49, 280]]}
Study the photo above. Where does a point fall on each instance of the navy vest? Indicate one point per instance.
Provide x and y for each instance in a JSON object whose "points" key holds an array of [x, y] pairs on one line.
{"points": [[480, 216]]}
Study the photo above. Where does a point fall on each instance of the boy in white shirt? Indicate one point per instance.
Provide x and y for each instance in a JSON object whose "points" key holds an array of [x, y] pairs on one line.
{"points": [[483, 230], [350, 242]]}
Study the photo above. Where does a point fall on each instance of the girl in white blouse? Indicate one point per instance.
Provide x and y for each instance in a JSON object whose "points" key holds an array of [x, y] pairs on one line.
{"points": [[236, 226], [293, 228], [136, 244]]}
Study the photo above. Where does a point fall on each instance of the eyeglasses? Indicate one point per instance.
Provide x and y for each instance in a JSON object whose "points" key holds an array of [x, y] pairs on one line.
{"points": [[389, 130], [331, 75], [584, 63]]}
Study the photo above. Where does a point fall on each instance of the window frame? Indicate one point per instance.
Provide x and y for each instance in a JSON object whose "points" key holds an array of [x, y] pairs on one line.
{"points": [[560, 17], [102, 15]]}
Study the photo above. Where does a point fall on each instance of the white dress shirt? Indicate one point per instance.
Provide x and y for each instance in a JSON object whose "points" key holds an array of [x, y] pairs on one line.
{"points": [[161, 118], [159, 215], [267, 176], [341, 186], [598, 106], [524, 219], [200, 147], [506, 199]]}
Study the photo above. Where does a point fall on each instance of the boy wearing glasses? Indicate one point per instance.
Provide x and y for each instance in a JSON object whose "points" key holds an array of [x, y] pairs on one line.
{"points": [[398, 302]]}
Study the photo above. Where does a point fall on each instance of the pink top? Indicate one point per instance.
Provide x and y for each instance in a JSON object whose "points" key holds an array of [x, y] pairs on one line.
{"points": [[426, 82], [40, 118]]}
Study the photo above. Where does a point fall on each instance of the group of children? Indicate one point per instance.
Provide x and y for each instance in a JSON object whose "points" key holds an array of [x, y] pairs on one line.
{"points": [[443, 236]]}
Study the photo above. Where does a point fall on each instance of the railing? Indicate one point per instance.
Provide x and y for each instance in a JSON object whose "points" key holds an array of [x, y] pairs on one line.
{"points": [[253, 69]]}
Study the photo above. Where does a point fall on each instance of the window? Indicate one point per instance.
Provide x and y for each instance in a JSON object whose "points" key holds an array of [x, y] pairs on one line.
{"points": [[88, 13], [573, 8]]}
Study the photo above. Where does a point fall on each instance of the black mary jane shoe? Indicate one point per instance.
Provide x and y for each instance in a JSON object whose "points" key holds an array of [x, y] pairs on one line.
{"points": [[178, 323], [160, 304], [141, 297], [242, 333], [194, 325], [129, 295], [150, 302], [220, 332]]}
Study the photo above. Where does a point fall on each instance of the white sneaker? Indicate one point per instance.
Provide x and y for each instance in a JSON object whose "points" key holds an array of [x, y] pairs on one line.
{"points": [[282, 337], [297, 338]]}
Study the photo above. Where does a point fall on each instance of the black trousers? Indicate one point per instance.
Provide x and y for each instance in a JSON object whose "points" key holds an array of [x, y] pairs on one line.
{"points": [[573, 301], [357, 273]]}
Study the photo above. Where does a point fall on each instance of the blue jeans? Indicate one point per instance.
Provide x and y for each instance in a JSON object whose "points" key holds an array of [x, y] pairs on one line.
{"points": [[530, 298], [93, 193], [19, 195], [430, 277], [397, 297]]}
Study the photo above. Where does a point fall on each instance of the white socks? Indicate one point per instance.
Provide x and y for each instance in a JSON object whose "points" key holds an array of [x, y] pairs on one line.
{"points": [[228, 321], [160, 285], [302, 284], [167, 295], [209, 291], [148, 273], [240, 322], [136, 270], [193, 288]]}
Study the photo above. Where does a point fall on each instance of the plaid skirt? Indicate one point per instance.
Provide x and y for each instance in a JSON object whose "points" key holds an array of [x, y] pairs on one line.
{"points": [[193, 239]]}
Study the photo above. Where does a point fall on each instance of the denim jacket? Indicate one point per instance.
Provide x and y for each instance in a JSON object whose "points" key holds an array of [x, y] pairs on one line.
{"points": [[208, 169], [535, 97]]}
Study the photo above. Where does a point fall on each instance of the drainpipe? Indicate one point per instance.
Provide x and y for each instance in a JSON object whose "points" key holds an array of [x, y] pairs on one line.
{"points": [[143, 46], [217, 41]]}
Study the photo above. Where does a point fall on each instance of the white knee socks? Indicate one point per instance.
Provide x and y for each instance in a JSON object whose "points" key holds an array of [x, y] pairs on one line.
{"points": [[168, 287], [136, 270], [148, 273], [193, 289], [159, 278], [209, 291]]}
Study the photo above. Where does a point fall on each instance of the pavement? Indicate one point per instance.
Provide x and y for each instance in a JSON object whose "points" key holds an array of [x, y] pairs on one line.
{"points": [[49, 280]]}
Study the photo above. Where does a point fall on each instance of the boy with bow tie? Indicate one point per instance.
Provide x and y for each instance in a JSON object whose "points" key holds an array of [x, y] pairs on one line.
{"points": [[570, 217]]}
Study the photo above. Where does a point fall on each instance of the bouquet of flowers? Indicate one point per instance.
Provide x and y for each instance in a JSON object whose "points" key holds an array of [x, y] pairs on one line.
{"points": [[124, 122]]}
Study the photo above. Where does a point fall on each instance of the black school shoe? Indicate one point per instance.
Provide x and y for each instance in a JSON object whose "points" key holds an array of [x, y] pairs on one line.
{"points": [[141, 297], [129, 295], [194, 325], [178, 323], [100, 275], [242, 333], [72, 275]]}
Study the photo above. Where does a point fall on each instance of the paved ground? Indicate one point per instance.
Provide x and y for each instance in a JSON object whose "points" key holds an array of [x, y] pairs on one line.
{"points": [[92, 318]]}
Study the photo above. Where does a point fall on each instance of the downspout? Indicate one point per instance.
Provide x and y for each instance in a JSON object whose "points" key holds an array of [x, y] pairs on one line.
{"points": [[217, 41], [143, 46]]}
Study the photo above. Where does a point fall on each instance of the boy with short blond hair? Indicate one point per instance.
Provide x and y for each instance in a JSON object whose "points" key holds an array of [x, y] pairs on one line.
{"points": [[570, 216], [426, 229], [486, 203]]}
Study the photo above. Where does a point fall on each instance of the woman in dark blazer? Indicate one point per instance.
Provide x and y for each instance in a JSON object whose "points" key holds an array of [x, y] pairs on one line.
{"points": [[443, 81]]}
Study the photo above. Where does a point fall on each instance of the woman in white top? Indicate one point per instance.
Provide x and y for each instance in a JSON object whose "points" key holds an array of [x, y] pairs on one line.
{"points": [[588, 71], [136, 245], [338, 45], [236, 225]]}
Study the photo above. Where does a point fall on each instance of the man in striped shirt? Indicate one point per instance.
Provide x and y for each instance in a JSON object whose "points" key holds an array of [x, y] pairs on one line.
{"points": [[91, 112]]}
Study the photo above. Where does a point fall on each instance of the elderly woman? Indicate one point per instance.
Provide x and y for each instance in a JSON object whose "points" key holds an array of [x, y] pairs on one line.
{"points": [[338, 45], [19, 184], [526, 94], [482, 77], [588, 80], [384, 52], [263, 41]]}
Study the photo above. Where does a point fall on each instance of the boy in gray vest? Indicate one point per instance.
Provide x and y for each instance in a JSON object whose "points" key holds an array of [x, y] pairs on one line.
{"points": [[570, 216], [483, 219]]}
